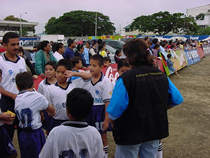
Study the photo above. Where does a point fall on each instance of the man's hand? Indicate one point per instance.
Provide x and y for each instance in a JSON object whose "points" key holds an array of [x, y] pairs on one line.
{"points": [[4, 92]]}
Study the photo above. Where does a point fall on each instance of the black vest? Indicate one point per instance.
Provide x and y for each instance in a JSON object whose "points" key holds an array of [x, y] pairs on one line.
{"points": [[145, 118]]}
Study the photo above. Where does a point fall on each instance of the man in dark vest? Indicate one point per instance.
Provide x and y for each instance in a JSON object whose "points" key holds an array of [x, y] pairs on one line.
{"points": [[139, 105]]}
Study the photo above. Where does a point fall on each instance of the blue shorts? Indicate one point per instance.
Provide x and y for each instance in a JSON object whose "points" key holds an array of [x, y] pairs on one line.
{"points": [[7, 103], [47, 122], [6, 147], [30, 142], [96, 118]]}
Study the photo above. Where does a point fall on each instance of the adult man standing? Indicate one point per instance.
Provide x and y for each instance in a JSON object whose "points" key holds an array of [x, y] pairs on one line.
{"points": [[69, 52], [11, 65]]}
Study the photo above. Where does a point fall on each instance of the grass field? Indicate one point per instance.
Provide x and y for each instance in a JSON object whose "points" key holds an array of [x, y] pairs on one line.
{"points": [[190, 122]]}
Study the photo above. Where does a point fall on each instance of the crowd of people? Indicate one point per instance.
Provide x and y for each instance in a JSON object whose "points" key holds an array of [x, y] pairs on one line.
{"points": [[75, 104]]}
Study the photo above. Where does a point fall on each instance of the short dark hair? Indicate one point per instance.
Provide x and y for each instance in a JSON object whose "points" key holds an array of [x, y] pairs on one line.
{"points": [[57, 46], [43, 44], [24, 80], [66, 63], [137, 52], [169, 56], [70, 42], [107, 59], [9, 35], [98, 58], [51, 63], [121, 63], [79, 47], [155, 41], [79, 103], [75, 60], [0, 72], [118, 52]]}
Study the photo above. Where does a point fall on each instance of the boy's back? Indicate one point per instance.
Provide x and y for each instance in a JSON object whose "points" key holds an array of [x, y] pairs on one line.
{"points": [[28, 105], [73, 139]]}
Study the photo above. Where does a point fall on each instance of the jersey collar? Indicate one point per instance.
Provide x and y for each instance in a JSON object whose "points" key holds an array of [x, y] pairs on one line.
{"points": [[68, 83], [46, 82], [100, 79], [78, 124], [18, 58]]}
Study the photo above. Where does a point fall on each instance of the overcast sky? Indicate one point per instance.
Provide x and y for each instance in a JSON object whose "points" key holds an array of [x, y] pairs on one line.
{"points": [[121, 12]]}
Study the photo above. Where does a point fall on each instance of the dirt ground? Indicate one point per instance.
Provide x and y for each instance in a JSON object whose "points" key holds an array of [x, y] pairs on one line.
{"points": [[189, 123]]}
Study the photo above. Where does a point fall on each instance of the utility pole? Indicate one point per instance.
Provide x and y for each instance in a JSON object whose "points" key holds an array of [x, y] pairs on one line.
{"points": [[21, 30], [21, 27], [96, 24]]}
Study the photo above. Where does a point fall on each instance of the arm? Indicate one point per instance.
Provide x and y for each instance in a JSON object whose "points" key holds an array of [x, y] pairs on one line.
{"points": [[119, 101], [51, 110], [83, 75], [7, 93]]}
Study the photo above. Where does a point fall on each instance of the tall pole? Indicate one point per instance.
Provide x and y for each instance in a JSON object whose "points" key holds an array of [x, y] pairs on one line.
{"points": [[21, 30], [96, 23]]}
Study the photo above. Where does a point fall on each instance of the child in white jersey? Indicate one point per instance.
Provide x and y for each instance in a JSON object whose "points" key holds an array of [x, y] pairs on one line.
{"points": [[28, 105], [44, 90], [75, 138], [59, 91], [101, 89]]}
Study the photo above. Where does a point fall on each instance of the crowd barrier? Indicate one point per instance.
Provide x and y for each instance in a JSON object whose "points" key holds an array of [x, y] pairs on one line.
{"points": [[181, 59]]}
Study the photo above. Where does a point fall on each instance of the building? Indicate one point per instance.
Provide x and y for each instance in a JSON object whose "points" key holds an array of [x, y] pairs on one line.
{"points": [[22, 28], [201, 15]]}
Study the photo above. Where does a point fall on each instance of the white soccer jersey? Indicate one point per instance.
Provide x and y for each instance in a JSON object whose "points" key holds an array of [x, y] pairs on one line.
{"points": [[101, 91], [28, 106], [67, 141], [44, 88], [57, 97], [9, 71]]}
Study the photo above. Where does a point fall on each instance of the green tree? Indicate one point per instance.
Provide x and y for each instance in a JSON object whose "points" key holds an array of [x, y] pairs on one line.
{"points": [[204, 31], [162, 23], [13, 18], [80, 23]]}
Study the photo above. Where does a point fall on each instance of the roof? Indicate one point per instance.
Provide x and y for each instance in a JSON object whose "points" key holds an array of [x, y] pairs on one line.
{"points": [[17, 23]]}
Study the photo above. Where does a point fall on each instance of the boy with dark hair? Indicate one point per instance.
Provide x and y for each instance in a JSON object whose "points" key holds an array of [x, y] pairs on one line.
{"points": [[58, 91], [123, 66], [74, 138], [28, 105], [107, 61], [101, 89]]}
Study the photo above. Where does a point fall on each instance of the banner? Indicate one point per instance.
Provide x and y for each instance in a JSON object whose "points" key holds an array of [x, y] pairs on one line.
{"points": [[111, 73], [179, 59]]}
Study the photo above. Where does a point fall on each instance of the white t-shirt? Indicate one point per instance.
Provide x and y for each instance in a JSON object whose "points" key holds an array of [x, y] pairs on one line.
{"points": [[101, 91], [44, 88], [57, 56], [68, 141], [57, 97], [28, 106], [9, 71]]}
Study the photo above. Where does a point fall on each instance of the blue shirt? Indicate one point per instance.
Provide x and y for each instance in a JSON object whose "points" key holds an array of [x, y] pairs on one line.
{"points": [[120, 100], [86, 56], [68, 54]]}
